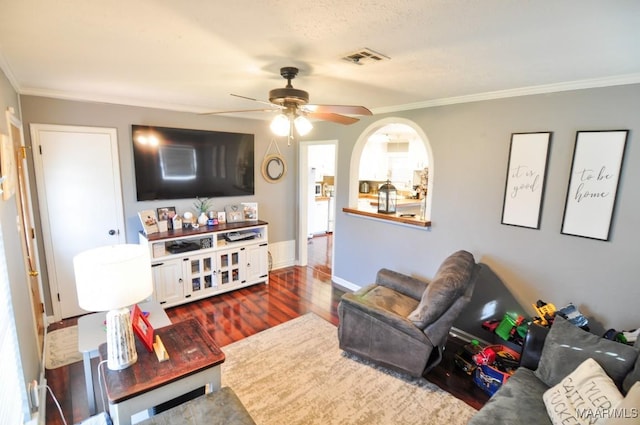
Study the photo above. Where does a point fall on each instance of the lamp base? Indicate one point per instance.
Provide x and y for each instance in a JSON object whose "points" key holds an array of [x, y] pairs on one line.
{"points": [[121, 346]]}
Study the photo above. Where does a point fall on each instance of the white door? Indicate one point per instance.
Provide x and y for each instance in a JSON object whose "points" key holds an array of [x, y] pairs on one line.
{"points": [[27, 230], [80, 198]]}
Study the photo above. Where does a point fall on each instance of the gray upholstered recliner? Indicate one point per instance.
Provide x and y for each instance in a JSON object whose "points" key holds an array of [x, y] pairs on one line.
{"points": [[401, 322]]}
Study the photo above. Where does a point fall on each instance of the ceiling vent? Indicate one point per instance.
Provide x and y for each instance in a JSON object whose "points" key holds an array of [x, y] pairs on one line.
{"points": [[365, 56]]}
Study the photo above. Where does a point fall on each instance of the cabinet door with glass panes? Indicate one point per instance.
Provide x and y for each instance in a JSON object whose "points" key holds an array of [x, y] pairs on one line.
{"points": [[202, 275], [231, 267]]}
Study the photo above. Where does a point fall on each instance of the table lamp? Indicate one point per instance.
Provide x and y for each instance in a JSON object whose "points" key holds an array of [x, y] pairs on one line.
{"points": [[112, 278]]}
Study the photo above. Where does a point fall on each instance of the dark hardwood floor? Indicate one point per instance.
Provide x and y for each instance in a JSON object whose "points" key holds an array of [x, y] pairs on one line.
{"points": [[291, 292]]}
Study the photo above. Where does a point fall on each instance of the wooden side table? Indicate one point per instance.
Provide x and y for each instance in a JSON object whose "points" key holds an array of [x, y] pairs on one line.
{"points": [[92, 333], [194, 362]]}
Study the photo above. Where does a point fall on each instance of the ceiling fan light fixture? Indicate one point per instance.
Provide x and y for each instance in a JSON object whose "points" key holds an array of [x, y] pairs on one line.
{"points": [[303, 125], [280, 125], [293, 104]]}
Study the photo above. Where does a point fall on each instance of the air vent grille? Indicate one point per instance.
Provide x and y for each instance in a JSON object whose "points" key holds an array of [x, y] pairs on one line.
{"points": [[365, 56]]}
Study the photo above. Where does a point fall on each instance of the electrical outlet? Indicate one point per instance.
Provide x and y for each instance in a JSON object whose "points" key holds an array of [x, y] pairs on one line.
{"points": [[34, 397]]}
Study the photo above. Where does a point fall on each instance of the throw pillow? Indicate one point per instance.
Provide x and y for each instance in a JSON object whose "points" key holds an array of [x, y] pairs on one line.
{"points": [[447, 286], [628, 411], [567, 346], [585, 396]]}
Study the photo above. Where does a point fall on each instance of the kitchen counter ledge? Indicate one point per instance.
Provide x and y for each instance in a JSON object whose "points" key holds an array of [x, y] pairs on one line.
{"points": [[411, 221]]}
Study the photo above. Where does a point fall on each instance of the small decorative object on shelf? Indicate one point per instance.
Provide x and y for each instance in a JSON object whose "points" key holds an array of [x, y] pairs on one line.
{"points": [[142, 327], [166, 213], [187, 220], [387, 198], [177, 222], [163, 225], [202, 219], [202, 207], [161, 352], [250, 210], [212, 219], [149, 221], [234, 213]]}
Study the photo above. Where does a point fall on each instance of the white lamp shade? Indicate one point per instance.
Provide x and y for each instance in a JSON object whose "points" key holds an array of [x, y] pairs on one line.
{"points": [[280, 125], [112, 277], [303, 125]]}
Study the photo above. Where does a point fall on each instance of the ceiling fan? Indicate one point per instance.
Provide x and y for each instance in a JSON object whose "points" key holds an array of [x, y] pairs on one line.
{"points": [[295, 108]]}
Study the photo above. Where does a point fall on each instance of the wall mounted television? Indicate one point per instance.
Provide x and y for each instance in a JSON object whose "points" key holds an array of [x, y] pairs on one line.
{"points": [[176, 163]]}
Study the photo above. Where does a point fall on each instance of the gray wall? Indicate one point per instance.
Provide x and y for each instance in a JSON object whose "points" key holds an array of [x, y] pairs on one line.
{"points": [[276, 201], [470, 144], [15, 262]]}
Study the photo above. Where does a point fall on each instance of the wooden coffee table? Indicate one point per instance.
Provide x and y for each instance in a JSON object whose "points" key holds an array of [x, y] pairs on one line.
{"points": [[194, 362]]}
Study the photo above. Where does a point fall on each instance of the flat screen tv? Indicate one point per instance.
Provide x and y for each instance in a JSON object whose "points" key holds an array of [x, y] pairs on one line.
{"points": [[176, 163]]}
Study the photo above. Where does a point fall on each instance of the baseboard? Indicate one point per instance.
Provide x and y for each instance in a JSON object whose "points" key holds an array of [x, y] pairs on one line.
{"points": [[344, 284], [283, 254]]}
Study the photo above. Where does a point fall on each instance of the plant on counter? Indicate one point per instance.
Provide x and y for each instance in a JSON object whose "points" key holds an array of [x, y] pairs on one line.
{"points": [[202, 205]]}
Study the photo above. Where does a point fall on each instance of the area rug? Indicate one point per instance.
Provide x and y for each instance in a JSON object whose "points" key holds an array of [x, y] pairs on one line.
{"points": [[62, 347], [295, 374]]}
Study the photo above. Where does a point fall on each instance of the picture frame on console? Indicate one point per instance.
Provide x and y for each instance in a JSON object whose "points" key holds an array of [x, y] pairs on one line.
{"points": [[250, 211], [149, 221], [593, 183], [234, 213], [167, 214], [142, 328], [525, 180]]}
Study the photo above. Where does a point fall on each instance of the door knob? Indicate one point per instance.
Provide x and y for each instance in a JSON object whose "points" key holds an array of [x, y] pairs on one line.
{"points": [[112, 232]]}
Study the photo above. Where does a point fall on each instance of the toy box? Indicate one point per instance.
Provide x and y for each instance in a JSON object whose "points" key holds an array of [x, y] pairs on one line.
{"points": [[463, 359], [490, 377]]}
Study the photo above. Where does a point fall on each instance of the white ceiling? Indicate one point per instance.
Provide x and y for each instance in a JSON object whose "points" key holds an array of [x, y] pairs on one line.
{"points": [[190, 55]]}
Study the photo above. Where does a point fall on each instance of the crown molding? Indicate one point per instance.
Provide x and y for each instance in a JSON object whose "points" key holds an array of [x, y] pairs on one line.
{"points": [[617, 80], [499, 94], [4, 65], [117, 100]]}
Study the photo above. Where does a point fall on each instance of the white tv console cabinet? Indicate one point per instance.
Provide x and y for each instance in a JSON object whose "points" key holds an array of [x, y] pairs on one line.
{"points": [[191, 264]]}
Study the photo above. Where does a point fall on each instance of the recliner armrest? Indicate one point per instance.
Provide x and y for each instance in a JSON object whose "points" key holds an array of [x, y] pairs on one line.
{"points": [[406, 285], [532, 347]]}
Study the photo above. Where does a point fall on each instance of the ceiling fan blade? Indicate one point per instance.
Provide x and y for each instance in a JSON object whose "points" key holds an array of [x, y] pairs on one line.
{"points": [[329, 116], [339, 109], [238, 110], [255, 100]]}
